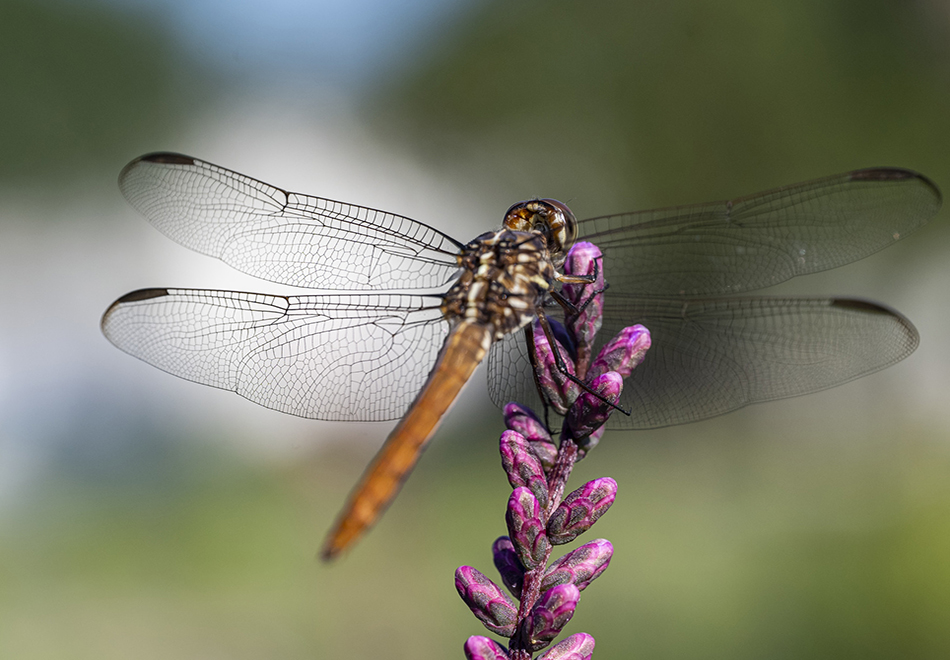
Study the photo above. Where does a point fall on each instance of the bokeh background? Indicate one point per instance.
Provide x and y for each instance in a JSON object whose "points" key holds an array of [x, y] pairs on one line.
{"points": [[144, 516]]}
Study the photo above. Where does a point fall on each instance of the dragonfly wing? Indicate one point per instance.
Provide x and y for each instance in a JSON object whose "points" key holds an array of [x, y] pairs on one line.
{"points": [[283, 236], [712, 356], [511, 376], [757, 241], [331, 357]]}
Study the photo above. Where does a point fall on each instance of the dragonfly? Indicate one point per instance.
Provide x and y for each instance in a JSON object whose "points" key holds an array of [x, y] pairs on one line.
{"points": [[400, 313]]}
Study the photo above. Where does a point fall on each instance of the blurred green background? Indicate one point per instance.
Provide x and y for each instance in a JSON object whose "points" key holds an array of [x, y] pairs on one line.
{"points": [[143, 516]]}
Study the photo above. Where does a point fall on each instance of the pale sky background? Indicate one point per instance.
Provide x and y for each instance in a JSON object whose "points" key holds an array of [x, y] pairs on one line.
{"points": [[340, 44]]}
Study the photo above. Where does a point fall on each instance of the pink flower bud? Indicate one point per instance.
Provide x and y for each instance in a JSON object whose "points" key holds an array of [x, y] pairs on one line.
{"points": [[557, 389], [483, 648], [521, 419], [585, 259], [581, 509], [581, 566], [553, 610], [590, 412], [487, 601], [622, 353], [522, 466], [575, 647], [508, 565], [525, 528]]}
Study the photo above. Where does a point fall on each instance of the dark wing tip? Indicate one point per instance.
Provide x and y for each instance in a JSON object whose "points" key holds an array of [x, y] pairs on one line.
{"points": [[165, 157], [897, 174], [168, 157], [141, 294], [869, 307], [133, 296]]}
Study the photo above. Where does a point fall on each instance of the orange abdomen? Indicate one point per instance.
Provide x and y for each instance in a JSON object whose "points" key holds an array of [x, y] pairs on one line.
{"points": [[465, 347]]}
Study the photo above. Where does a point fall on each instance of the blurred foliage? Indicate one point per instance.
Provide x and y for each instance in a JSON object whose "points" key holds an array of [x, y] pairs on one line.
{"points": [[723, 551], [622, 104], [80, 85]]}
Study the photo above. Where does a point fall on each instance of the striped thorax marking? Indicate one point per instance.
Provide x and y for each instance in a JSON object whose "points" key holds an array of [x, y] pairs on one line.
{"points": [[505, 275]]}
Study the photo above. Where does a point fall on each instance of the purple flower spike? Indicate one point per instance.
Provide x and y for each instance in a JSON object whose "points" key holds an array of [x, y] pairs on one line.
{"points": [[580, 510], [487, 601], [522, 466], [526, 529], [575, 647], [558, 390], [483, 648], [521, 419], [580, 567], [508, 565], [589, 413], [585, 259], [553, 610], [622, 353]]}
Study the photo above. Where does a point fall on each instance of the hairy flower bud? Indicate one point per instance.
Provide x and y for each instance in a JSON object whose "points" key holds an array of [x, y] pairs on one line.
{"points": [[524, 421], [522, 466], [509, 566], [585, 259], [575, 647], [487, 601], [556, 388], [551, 613], [590, 412], [581, 566], [622, 353], [483, 648], [525, 528], [581, 509]]}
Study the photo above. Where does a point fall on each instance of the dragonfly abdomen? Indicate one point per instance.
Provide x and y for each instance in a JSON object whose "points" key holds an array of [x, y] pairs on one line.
{"points": [[505, 275], [464, 349]]}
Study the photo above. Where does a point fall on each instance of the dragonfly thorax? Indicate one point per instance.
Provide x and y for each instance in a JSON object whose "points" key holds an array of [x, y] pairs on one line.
{"points": [[505, 276]]}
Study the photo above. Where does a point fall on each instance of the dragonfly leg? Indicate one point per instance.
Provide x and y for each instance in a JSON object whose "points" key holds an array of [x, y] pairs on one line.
{"points": [[562, 366], [570, 309], [568, 278]]}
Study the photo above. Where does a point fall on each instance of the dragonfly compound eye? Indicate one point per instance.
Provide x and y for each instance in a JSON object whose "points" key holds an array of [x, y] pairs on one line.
{"points": [[548, 217]]}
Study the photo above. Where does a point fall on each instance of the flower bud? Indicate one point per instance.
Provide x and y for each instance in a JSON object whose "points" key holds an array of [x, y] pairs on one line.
{"points": [[575, 647], [581, 566], [590, 412], [521, 419], [585, 259], [525, 528], [581, 509], [553, 610], [508, 565], [556, 388], [622, 353], [487, 601], [522, 466], [483, 648]]}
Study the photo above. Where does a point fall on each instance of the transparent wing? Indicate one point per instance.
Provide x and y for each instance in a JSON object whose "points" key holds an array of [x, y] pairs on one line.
{"points": [[283, 236], [332, 357], [754, 242], [713, 356]]}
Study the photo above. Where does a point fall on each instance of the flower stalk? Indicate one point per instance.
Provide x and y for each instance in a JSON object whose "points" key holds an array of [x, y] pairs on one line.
{"points": [[539, 516]]}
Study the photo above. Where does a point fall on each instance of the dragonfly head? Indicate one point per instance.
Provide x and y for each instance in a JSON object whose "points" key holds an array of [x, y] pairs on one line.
{"points": [[548, 217]]}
